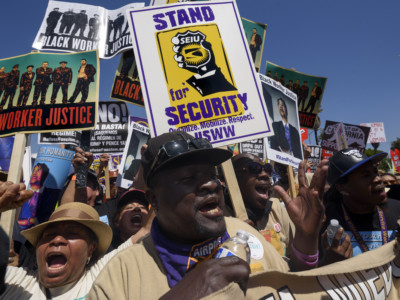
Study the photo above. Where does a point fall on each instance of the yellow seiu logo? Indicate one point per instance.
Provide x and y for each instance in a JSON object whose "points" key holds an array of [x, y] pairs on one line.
{"points": [[199, 80]]}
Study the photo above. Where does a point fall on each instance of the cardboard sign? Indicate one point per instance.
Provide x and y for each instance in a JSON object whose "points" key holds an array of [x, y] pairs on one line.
{"points": [[285, 145], [73, 27], [356, 136], [196, 72], [43, 92], [377, 133], [308, 88]]}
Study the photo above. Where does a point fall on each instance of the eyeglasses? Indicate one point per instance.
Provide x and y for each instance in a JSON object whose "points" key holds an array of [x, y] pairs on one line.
{"points": [[175, 148], [256, 168]]}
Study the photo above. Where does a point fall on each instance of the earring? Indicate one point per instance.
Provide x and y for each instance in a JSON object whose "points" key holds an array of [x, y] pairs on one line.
{"points": [[88, 260]]}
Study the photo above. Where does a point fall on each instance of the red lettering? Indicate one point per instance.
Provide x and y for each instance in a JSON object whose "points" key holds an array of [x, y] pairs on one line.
{"points": [[89, 115], [56, 120], [64, 115], [24, 118], [48, 120], [10, 120], [71, 115], [126, 91], [16, 120], [4, 118], [130, 91], [30, 117], [117, 84], [38, 119], [121, 88], [136, 96], [82, 119]]}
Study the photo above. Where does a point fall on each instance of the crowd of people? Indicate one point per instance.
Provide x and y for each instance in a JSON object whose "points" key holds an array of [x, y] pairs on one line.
{"points": [[168, 226]]}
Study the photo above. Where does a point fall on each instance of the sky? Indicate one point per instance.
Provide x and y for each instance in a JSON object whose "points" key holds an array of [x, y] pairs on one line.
{"points": [[355, 44]]}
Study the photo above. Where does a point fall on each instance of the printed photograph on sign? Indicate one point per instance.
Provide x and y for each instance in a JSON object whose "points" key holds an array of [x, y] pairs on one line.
{"points": [[255, 35], [285, 145], [46, 92], [73, 27], [204, 74], [138, 136], [126, 86], [308, 88]]}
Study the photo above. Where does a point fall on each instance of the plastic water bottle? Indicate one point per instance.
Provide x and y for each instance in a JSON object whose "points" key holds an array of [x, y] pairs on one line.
{"points": [[331, 231], [237, 246]]}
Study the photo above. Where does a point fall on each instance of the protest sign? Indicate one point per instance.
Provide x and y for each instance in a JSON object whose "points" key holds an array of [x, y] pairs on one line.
{"points": [[73, 27], [326, 154], [126, 86], [138, 136], [255, 35], [196, 72], [356, 136], [377, 132], [255, 147], [61, 100], [395, 155], [308, 88], [111, 132], [49, 171], [304, 134], [373, 275], [109, 135], [315, 157], [285, 145], [60, 137]]}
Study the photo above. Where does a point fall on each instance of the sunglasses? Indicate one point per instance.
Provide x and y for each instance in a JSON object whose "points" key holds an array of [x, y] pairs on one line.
{"points": [[256, 168], [175, 148]]}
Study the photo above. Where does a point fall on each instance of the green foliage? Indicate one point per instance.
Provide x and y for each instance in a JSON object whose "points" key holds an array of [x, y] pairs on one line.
{"points": [[395, 144]]}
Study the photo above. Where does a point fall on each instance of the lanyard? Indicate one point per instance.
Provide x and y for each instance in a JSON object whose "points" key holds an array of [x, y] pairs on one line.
{"points": [[360, 241]]}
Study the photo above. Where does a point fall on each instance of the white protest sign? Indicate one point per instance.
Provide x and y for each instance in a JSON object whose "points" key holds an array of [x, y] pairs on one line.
{"points": [[197, 73], [285, 145], [377, 133]]}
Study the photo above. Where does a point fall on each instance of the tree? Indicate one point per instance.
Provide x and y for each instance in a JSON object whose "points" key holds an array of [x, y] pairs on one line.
{"points": [[395, 144], [384, 165]]}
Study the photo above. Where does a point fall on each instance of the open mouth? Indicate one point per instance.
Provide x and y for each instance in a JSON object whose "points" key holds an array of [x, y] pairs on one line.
{"points": [[56, 261], [262, 190], [211, 208], [136, 219]]}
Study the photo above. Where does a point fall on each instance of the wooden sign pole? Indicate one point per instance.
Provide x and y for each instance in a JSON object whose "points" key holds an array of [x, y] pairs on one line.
{"points": [[234, 191], [292, 188], [107, 182], [14, 175]]}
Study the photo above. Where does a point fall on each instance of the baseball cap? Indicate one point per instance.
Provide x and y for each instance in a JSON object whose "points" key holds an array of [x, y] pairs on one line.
{"points": [[345, 161], [130, 196], [179, 147]]}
